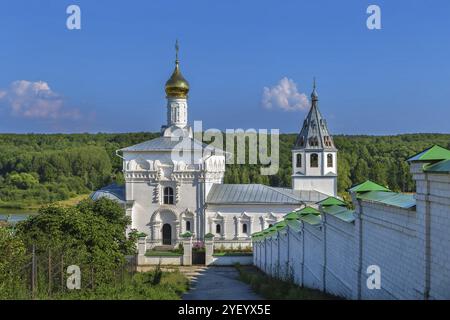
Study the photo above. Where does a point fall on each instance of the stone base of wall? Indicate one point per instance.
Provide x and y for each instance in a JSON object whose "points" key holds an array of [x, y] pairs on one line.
{"points": [[231, 260], [159, 260]]}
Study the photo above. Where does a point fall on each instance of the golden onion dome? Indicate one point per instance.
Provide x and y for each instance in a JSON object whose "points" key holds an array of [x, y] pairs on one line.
{"points": [[177, 86]]}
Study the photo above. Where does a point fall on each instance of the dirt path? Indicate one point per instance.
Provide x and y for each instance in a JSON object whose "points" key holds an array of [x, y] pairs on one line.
{"points": [[217, 283]]}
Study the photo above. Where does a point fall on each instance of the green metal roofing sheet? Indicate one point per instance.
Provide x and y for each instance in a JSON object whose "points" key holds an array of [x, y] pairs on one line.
{"points": [[400, 200], [308, 210], [340, 212], [295, 224], [311, 219], [331, 201], [368, 186], [432, 154], [440, 167], [334, 209], [347, 216], [291, 216]]}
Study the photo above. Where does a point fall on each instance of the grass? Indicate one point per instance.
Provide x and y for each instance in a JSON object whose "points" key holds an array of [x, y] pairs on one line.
{"points": [[154, 253], [223, 254], [276, 289], [31, 206], [154, 285]]}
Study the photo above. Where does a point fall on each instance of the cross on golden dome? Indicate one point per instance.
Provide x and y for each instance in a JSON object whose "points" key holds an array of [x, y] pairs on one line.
{"points": [[177, 86]]}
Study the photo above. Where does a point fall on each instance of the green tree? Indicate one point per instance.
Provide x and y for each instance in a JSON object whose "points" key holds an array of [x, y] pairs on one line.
{"points": [[361, 172], [91, 235], [12, 260]]}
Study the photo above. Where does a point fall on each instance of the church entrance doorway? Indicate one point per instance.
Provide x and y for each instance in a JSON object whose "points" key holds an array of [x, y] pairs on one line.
{"points": [[167, 234]]}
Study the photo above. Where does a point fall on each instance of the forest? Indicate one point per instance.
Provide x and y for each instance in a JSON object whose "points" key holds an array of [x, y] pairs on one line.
{"points": [[36, 169]]}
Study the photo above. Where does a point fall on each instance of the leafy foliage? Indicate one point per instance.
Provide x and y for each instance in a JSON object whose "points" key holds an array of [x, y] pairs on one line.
{"points": [[39, 169], [91, 234]]}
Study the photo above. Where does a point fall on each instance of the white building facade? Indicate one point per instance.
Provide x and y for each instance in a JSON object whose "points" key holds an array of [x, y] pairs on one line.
{"points": [[174, 183]]}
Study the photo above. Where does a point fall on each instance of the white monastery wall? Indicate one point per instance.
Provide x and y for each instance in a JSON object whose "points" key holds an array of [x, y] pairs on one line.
{"points": [[410, 246]]}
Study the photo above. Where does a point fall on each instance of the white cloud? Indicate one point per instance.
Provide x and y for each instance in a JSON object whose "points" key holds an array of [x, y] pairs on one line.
{"points": [[36, 100], [285, 96]]}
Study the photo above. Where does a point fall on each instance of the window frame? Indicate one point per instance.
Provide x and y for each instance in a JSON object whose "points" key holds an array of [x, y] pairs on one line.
{"points": [[297, 157], [330, 160], [168, 195], [315, 162]]}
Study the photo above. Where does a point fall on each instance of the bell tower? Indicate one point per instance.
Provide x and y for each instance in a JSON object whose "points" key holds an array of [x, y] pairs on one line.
{"points": [[314, 156], [177, 89]]}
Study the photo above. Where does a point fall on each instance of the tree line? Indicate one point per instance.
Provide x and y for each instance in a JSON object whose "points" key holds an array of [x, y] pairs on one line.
{"points": [[38, 168]]}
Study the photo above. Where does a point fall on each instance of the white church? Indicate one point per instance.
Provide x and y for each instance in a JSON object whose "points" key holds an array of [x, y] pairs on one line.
{"points": [[167, 196]]}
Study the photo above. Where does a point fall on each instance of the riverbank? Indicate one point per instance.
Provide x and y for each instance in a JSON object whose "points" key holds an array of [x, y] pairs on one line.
{"points": [[30, 208]]}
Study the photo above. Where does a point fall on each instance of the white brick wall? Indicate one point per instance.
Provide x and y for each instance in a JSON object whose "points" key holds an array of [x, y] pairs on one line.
{"points": [[411, 247]]}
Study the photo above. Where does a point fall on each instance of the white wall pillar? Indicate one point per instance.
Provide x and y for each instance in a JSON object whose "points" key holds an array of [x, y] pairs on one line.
{"points": [[187, 251]]}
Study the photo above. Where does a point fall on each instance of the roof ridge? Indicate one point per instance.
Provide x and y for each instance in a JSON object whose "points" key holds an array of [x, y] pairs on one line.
{"points": [[287, 195]]}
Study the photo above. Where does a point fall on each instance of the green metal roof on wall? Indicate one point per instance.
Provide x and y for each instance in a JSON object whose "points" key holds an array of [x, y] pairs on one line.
{"points": [[294, 224], [308, 210], [368, 186], [311, 219], [433, 153], [400, 200], [331, 201], [440, 167], [291, 216], [341, 213]]}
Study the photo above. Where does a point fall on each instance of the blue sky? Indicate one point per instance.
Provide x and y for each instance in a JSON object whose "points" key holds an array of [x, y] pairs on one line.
{"points": [[109, 76]]}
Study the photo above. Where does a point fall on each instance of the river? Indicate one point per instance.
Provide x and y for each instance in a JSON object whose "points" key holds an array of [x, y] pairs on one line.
{"points": [[14, 216]]}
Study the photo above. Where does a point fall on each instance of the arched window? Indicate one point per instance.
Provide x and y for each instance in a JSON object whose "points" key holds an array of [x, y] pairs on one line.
{"points": [[188, 226], [329, 160], [218, 231], [270, 225], [244, 228], [314, 160], [299, 160], [168, 195]]}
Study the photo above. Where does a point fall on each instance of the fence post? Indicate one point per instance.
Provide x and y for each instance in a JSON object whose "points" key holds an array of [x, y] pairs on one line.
{"points": [[209, 249], [33, 272], [187, 251], [49, 272], [62, 273]]}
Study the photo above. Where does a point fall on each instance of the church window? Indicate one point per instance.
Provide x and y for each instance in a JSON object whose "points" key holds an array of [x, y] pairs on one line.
{"points": [[218, 231], [313, 142], [314, 160], [168, 195], [188, 226], [299, 160], [329, 160], [244, 228]]}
